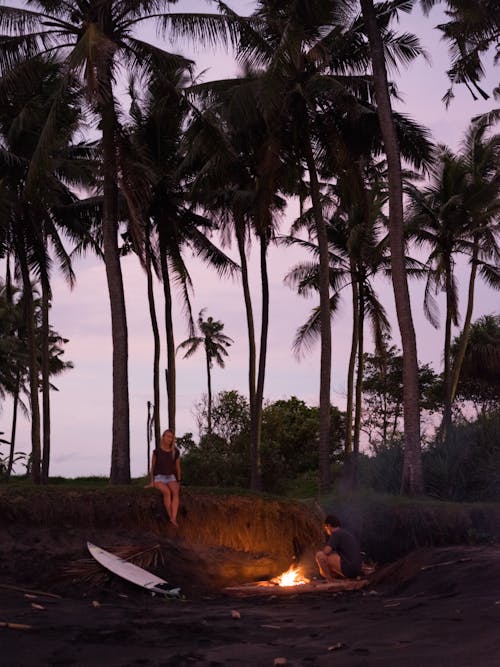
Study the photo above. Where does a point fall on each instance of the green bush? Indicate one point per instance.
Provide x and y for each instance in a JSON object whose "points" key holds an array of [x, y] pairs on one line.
{"points": [[382, 472], [289, 444], [467, 465]]}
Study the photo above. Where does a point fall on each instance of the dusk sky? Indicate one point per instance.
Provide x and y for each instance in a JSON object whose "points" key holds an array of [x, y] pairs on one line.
{"points": [[81, 409]]}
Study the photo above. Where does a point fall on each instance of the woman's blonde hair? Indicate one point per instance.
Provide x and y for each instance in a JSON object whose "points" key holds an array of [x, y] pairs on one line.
{"points": [[169, 430]]}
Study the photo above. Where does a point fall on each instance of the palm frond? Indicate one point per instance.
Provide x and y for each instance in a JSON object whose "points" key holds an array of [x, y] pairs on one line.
{"points": [[308, 334], [431, 309]]}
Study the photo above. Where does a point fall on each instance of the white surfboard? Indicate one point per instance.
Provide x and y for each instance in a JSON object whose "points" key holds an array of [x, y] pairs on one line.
{"points": [[131, 572]]}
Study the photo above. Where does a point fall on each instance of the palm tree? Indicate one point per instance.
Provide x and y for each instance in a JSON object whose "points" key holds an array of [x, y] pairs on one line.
{"points": [[471, 30], [437, 218], [480, 155], [94, 40], [216, 346], [458, 213], [358, 246], [13, 358], [32, 216], [412, 480], [358, 253], [481, 365], [226, 145], [311, 60], [157, 189]]}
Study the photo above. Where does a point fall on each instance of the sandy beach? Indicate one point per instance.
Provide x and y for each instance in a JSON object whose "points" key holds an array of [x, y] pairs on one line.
{"points": [[435, 607]]}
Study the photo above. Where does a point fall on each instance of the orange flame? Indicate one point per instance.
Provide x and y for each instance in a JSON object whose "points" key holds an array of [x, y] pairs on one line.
{"points": [[292, 577]]}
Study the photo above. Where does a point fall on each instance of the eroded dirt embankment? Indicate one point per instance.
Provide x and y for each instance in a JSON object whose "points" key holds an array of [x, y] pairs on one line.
{"points": [[221, 539]]}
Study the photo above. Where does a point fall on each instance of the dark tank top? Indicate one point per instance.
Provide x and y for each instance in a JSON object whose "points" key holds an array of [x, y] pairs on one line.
{"points": [[165, 463]]}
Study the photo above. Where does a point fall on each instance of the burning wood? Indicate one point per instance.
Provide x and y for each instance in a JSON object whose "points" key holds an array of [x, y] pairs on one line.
{"points": [[293, 581], [292, 577]]}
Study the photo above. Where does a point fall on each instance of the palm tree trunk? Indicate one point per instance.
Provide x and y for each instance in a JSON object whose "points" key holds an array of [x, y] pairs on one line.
{"points": [[446, 422], [255, 472], [156, 339], [359, 380], [324, 307], [44, 343], [120, 448], [14, 426], [209, 397], [385, 419], [169, 330], [352, 360], [10, 300], [464, 338], [33, 364], [412, 480], [256, 425], [397, 414]]}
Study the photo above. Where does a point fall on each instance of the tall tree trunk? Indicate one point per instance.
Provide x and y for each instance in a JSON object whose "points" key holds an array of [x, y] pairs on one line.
{"points": [[10, 300], [12, 446], [44, 343], [359, 380], [412, 480], [149, 423], [255, 472], [209, 397], [385, 420], [352, 360], [156, 338], [464, 338], [324, 308], [33, 364], [8, 281], [359, 388], [446, 422], [256, 425], [169, 329], [120, 448]]}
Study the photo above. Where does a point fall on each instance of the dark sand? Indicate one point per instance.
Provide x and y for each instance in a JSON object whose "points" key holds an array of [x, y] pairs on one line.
{"points": [[447, 614]]}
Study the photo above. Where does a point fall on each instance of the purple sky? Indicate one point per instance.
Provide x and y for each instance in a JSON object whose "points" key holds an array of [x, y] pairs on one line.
{"points": [[81, 410]]}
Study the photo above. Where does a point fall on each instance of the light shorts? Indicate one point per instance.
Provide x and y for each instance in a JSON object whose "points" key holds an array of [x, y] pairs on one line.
{"points": [[165, 479]]}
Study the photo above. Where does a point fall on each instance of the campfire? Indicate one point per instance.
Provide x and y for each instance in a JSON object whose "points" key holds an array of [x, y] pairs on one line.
{"points": [[291, 577], [292, 582]]}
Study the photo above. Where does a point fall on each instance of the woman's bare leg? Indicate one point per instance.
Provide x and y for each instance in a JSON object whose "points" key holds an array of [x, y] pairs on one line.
{"points": [[174, 489], [167, 497]]}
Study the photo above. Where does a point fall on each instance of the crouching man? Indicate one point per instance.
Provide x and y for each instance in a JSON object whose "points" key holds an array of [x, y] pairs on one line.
{"points": [[341, 555]]}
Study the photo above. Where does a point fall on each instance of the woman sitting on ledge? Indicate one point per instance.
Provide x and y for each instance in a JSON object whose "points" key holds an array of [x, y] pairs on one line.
{"points": [[165, 473]]}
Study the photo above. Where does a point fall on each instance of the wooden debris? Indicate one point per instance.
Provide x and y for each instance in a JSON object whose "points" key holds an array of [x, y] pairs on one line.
{"points": [[264, 589], [38, 607], [235, 613], [337, 646], [280, 661], [446, 562], [7, 587], [96, 604], [15, 626]]}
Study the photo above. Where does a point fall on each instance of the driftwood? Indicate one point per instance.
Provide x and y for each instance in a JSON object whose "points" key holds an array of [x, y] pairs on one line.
{"points": [[8, 587], [446, 562], [15, 626], [267, 588]]}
